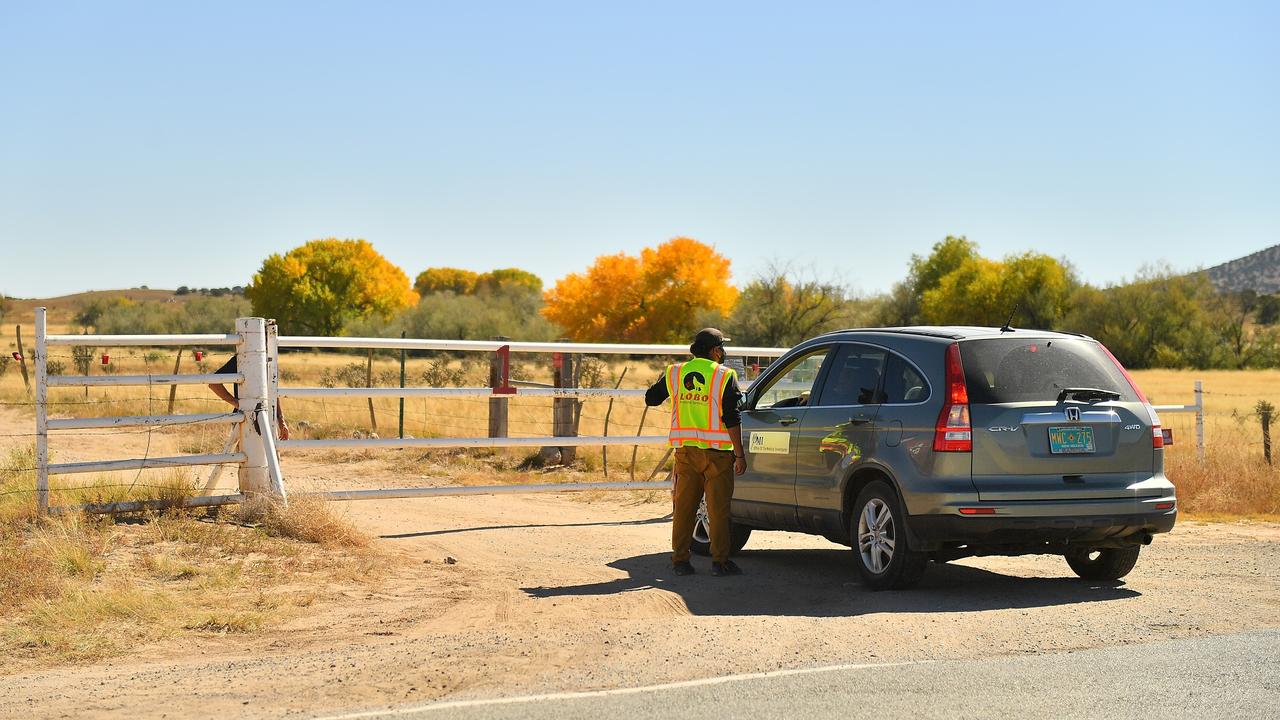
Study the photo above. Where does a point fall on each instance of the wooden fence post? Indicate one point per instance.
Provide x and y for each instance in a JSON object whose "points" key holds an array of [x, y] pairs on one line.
{"points": [[22, 362], [1265, 411], [604, 451], [41, 361], [564, 411], [173, 389], [368, 382], [401, 424], [497, 405]]}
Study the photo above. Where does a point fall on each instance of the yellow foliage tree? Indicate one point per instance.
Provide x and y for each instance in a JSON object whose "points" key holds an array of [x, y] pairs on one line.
{"points": [[320, 286], [442, 279], [467, 282], [657, 297], [509, 279]]}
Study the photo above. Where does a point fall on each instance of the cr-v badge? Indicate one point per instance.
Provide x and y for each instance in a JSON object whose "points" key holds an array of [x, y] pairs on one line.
{"points": [[1002, 428]]}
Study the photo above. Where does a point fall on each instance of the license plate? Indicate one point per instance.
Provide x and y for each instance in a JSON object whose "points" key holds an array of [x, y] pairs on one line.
{"points": [[1067, 440]]}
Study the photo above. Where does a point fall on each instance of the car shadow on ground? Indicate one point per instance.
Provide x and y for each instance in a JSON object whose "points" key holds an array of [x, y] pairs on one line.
{"points": [[824, 583]]}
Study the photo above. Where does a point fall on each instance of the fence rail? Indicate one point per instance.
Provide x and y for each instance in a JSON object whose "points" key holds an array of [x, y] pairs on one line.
{"points": [[257, 352], [103, 380], [1198, 409]]}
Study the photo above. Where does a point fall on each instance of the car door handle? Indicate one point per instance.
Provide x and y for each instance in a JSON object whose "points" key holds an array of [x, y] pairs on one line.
{"points": [[788, 420], [859, 420]]}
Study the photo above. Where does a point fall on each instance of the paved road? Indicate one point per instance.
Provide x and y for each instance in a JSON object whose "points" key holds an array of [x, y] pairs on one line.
{"points": [[1235, 676]]}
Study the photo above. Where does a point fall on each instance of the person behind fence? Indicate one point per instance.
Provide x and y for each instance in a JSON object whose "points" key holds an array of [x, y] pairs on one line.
{"points": [[706, 434], [230, 368]]}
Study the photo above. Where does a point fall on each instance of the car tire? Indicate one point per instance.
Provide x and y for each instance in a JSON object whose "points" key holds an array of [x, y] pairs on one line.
{"points": [[738, 534], [1105, 564], [877, 532]]}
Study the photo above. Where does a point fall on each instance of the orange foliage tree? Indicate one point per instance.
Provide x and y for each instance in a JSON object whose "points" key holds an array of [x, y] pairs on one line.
{"points": [[657, 297], [320, 286]]}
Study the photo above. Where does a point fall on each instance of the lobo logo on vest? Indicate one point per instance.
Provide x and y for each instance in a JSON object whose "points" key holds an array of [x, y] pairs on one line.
{"points": [[695, 411]]}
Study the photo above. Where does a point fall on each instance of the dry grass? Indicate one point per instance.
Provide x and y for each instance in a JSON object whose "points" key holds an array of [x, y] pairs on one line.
{"points": [[76, 588], [1234, 480], [304, 518]]}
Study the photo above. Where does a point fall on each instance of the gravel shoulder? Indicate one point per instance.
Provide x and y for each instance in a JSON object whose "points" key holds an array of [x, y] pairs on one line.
{"points": [[564, 593]]}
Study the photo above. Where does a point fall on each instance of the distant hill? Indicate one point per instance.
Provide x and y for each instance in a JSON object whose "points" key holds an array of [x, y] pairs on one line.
{"points": [[61, 308], [1259, 272]]}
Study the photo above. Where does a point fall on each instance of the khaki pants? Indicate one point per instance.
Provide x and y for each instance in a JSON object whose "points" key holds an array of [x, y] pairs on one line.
{"points": [[701, 471]]}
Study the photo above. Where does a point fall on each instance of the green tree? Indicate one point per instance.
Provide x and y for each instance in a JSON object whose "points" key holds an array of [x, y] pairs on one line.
{"points": [[509, 312], [1268, 309], [197, 315], [903, 305], [89, 313], [779, 309], [1161, 319], [321, 286], [1028, 290]]}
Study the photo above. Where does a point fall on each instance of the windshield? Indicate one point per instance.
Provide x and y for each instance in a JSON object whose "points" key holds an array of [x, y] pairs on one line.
{"points": [[1007, 370]]}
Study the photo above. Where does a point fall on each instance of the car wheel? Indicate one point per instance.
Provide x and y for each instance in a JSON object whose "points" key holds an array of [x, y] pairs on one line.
{"points": [[738, 534], [1107, 564], [878, 532]]}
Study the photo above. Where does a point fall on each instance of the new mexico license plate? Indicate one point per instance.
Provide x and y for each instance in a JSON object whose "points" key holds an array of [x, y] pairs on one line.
{"points": [[1075, 439]]}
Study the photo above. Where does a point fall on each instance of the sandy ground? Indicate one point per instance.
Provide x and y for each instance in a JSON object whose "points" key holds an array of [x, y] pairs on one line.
{"points": [[565, 592]]}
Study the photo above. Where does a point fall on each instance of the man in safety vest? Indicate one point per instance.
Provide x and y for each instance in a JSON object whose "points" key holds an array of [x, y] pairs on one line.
{"points": [[708, 440]]}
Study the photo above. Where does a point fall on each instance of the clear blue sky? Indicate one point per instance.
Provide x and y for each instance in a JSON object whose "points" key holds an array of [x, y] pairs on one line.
{"points": [[180, 143]]}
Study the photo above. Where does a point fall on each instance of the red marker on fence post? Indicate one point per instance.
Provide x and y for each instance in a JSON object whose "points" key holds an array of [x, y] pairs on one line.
{"points": [[106, 358]]}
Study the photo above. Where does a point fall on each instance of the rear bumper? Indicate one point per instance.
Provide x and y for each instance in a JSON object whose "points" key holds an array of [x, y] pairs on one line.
{"points": [[930, 532]]}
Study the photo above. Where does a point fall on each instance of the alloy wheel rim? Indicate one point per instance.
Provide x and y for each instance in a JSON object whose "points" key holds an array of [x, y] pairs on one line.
{"points": [[876, 536], [702, 524]]}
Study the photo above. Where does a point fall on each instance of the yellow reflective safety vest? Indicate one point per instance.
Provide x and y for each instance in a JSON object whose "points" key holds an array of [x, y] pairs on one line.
{"points": [[697, 390]]}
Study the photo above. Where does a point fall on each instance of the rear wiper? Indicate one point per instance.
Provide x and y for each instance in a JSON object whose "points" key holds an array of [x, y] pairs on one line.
{"points": [[1087, 394]]}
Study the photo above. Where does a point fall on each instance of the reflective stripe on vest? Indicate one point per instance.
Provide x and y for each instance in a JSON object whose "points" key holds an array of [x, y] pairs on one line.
{"points": [[696, 416]]}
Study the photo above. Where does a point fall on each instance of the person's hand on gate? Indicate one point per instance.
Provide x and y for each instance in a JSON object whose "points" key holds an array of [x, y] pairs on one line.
{"points": [[284, 430]]}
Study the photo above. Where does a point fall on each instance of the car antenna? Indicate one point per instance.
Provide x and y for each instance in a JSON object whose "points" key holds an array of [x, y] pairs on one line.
{"points": [[1006, 327]]}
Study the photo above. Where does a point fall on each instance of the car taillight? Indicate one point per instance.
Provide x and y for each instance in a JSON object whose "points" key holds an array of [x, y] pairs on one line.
{"points": [[1157, 435], [953, 432]]}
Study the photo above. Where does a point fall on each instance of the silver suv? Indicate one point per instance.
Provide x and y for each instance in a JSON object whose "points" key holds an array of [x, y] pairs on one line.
{"points": [[937, 443]]}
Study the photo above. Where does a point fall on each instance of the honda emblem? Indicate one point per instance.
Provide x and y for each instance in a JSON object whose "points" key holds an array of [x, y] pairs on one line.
{"points": [[1073, 414]]}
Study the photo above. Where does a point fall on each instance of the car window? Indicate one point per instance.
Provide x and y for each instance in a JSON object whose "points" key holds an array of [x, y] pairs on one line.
{"points": [[903, 383], [792, 386], [854, 377], [1015, 370]]}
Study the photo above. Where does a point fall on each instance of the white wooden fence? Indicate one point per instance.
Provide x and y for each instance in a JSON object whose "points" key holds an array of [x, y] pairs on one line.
{"points": [[257, 350]]}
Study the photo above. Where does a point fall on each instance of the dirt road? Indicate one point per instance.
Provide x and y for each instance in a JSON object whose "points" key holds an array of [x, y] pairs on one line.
{"points": [[569, 593]]}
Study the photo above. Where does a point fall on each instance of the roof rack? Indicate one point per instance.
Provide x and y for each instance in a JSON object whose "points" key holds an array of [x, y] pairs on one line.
{"points": [[926, 332]]}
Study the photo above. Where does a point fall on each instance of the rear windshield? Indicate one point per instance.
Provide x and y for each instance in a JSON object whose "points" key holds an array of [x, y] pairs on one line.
{"points": [[1006, 370]]}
